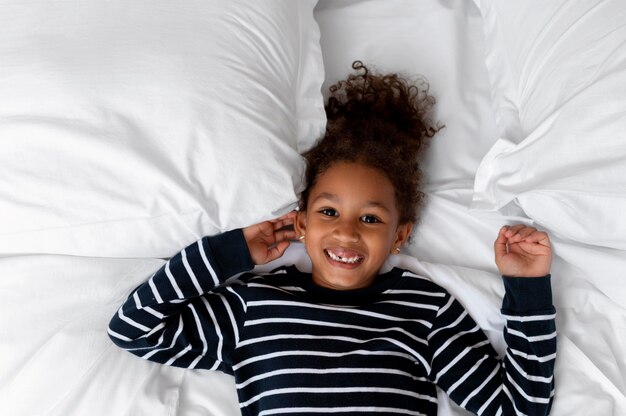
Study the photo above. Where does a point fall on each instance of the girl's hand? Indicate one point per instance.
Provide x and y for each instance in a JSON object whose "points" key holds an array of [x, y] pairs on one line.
{"points": [[523, 251], [268, 240]]}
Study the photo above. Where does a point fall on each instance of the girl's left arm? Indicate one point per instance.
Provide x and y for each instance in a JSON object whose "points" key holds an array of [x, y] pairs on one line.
{"points": [[465, 365]]}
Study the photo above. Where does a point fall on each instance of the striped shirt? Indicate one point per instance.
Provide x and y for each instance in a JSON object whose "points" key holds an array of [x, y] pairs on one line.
{"points": [[301, 349]]}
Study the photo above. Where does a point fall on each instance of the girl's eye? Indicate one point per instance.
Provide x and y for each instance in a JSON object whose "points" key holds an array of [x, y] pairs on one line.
{"points": [[329, 212], [369, 219]]}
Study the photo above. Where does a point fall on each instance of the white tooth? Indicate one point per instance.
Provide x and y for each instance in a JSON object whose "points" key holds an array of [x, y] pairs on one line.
{"points": [[341, 259], [350, 260]]}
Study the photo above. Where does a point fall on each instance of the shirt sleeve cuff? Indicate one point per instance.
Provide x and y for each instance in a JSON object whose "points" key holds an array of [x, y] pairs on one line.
{"points": [[231, 253], [525, 294]]}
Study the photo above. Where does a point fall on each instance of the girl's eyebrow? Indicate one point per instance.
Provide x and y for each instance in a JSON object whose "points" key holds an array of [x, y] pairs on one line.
{"points": [[326, 195], [376, 204], [335, 198]]}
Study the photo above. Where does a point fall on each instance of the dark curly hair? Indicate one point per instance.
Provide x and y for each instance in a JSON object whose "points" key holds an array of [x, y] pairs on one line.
{"points": [[380, 121]]}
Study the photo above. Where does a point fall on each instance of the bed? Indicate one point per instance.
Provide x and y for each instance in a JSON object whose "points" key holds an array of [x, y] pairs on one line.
{"points": [[129, 129]]}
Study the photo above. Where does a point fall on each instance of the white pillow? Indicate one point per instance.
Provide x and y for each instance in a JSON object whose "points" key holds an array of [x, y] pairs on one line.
{"points": [[442, 41], [558, 86], [130, 129]]}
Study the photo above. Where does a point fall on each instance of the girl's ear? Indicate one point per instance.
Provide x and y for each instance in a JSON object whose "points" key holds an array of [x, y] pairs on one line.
{"points": [[300, 224], [402, 235]]}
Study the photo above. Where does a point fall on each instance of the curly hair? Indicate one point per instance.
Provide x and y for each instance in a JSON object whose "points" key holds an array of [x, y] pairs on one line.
{"points": [[380, 121]]}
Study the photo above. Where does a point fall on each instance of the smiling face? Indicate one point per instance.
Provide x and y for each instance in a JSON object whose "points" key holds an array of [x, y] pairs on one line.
{"points": [[351, 225]]}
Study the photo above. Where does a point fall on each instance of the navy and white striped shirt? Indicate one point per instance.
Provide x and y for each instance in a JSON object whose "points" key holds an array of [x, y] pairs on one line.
{"points": [[297, 348]]}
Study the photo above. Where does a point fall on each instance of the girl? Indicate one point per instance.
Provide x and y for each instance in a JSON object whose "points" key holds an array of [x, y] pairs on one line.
{"points": [[345, 339]]}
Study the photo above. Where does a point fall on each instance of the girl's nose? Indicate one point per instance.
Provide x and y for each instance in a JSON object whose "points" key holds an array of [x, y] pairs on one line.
{"points": [[346, 232]]}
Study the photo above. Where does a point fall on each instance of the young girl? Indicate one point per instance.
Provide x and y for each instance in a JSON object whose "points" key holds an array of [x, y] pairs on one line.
{"points": [[345, 339]]}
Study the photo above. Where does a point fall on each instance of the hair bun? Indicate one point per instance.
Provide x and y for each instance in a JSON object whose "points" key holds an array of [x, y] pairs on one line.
{"points": [[389, 101]]}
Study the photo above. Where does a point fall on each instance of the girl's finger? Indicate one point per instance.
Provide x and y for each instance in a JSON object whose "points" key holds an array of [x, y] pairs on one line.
{"points": [[539, 237], [283, 224], [285, 220], [513, 229], [524, 233], [499, 246], [285, 235], [278, 250]]}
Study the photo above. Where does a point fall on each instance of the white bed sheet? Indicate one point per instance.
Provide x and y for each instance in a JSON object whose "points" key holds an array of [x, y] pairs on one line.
{"points": [[56, 355], [56, 358]]}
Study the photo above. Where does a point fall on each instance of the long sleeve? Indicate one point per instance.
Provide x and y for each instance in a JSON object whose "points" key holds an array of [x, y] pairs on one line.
{"points": [[465, 365], [182, 316]]}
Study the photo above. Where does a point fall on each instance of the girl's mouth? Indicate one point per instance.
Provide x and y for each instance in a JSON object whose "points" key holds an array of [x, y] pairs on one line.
{"points": [[344, 256]]}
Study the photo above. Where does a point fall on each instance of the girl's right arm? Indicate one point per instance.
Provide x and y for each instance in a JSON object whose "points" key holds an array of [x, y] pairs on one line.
{"points": [[182, 316], [178, 317]]}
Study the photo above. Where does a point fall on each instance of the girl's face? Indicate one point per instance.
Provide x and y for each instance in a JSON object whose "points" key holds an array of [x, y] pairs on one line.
{"points": [[350, 225]]}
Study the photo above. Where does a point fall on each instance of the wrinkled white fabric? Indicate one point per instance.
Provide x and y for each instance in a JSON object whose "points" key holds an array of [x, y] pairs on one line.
{"points": [[557, 74]]}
